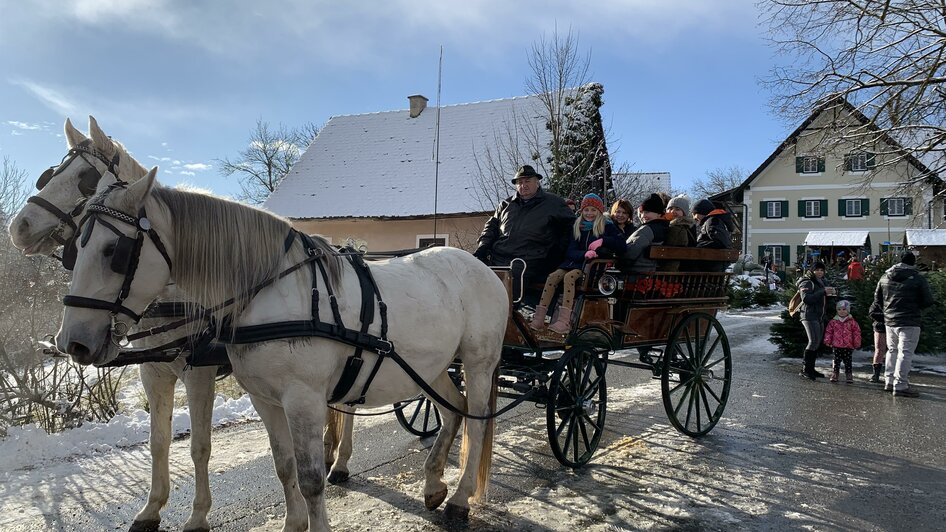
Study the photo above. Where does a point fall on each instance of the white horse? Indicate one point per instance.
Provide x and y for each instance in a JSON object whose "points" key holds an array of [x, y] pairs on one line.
{"points": [[38, 229], [443, 304]]}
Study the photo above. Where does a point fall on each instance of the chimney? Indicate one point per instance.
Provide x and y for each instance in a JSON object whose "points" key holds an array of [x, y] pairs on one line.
{"points": [[418, 104]]}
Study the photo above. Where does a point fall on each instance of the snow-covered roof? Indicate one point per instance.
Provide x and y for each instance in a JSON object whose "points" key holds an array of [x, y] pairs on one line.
{"points": [[836, 238], [926, 237], [382, 164]]}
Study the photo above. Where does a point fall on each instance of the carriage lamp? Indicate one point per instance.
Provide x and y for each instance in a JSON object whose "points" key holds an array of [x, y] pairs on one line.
{"points": [[607, 285]]}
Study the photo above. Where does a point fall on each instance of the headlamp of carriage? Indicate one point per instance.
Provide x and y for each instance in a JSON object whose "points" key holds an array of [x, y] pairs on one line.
{"points": [[607, 284]]}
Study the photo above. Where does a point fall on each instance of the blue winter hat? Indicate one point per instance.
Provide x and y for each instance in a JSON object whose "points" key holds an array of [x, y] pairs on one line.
{"points": [[844, 304]]}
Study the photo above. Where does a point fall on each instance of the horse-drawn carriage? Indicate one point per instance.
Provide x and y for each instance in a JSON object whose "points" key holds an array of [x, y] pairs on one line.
{"points": [[97, 202], [666, 320]]}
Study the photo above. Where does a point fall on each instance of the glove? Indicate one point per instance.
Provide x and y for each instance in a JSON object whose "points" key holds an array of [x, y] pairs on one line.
{"points": [[596, 244], [591, 254], [482, 254]]}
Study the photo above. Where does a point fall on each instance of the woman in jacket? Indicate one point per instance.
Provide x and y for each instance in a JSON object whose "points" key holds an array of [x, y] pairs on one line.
{"points": [[815, 293]]}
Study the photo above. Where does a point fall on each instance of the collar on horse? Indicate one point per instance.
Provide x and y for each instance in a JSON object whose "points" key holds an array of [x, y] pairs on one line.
{"points": [[88, 180]]}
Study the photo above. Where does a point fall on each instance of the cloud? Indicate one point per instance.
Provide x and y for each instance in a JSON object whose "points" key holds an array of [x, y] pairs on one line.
{"points": [[187, 173], [50, 97], [25, 125], [197, 166]]}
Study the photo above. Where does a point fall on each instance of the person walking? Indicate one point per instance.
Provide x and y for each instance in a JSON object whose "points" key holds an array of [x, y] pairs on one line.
{"points": [[880, 349], [814, 299], [900, 296], [843, 336]]}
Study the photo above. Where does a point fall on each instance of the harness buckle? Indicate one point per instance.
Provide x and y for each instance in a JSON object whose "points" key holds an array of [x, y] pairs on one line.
{"points": [[119, 332], [381, 350]]}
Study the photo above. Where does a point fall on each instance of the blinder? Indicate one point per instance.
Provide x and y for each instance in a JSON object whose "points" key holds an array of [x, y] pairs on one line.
{"points": [[125, 250]]}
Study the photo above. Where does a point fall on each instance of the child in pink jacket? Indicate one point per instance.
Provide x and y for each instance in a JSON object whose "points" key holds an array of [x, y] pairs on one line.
{"points": [[843, 336]]}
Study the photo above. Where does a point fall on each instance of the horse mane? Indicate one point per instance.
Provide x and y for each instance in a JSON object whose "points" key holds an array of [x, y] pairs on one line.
{"points": [[224, 249], [129, 168]]}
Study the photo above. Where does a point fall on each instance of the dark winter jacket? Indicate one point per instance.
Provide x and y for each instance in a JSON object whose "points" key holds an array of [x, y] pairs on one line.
{"points": [[575, 256], [682, 233], [636, 258], [715, 231], [814, 297], [900, 296], [628, 230], [537, 231]]}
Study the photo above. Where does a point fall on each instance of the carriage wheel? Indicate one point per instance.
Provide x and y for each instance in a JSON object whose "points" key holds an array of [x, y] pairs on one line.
{"points": [[577, 405], [420, 417], [697, 373]]}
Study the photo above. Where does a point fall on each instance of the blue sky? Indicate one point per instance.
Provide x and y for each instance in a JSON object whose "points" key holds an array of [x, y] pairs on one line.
{"points": [[182, 83]]}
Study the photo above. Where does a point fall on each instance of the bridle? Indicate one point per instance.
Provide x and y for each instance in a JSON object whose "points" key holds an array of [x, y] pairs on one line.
{"points": [[125, 255], [88, 180]]}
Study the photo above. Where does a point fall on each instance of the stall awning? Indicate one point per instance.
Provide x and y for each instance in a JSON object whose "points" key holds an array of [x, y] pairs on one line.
{"points": [[926, 237], [836, 238]]}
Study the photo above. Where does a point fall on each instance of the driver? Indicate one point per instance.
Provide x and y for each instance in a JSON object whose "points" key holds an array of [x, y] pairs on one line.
{"points": [[532, 224]]}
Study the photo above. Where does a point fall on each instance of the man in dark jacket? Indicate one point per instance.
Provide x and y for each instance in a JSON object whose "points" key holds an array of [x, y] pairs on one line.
{"points": [[532, 225], [900, 296]]}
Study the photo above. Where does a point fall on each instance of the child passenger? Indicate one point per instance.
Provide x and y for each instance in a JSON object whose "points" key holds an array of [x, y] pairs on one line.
{"points": [[592, 230], [843, 335]]}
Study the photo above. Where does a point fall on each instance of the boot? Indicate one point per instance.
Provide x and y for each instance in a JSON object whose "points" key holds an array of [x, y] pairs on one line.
{"points": [[834, 375], [538, 319], [563, 324], [849, 376], [814, 357], [878, 369], [809, 370]]}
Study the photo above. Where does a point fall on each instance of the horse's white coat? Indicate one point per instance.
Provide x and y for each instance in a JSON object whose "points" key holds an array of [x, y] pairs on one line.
{"points": [[443, 304]]}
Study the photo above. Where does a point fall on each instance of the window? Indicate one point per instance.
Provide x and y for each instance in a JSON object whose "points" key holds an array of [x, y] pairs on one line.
{"points": [[852, 207], [858, 162], [426, 241], [773, 209], [809, 164], [812, 209], [777, 255], [895, 207]]}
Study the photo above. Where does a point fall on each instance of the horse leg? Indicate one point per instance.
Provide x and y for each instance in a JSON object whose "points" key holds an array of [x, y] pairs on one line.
{"points": [[158, 381], [280, 441], [342, 446], [199, 383], [306, 417], [435, 489], [477, 446]]}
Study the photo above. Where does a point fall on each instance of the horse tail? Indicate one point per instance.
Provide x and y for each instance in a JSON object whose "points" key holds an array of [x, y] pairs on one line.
{"points": [[486, 451], [334, 426]]}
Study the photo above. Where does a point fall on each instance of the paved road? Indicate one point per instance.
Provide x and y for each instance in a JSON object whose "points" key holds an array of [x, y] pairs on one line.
{"points": [[789, 454]]}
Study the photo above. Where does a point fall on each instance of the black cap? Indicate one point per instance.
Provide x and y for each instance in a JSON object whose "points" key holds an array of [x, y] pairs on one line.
{"points": [[908, 258], [526, 171]]}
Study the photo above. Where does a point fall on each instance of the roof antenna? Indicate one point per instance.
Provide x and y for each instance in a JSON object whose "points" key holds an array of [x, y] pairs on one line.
{"points": [[437, 144]]}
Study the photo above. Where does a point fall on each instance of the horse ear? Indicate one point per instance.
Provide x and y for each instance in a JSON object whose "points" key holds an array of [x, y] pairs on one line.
{"points": [[107, 179], [73, 136], [138, 191], [99, 138]]}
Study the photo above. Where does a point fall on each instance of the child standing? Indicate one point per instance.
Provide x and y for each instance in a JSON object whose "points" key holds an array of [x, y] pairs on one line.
{"points": [[843, 336], [591, 231]]}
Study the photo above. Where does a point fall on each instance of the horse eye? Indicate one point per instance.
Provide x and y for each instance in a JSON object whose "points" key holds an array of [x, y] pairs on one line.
{"points": [[109, 250]]}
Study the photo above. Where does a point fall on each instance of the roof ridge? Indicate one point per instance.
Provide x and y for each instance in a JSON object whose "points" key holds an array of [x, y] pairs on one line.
{"points": [[522, 97]]}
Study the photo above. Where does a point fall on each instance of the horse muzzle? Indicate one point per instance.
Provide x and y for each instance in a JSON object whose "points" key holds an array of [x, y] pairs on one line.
{"points": [[87, 345]]}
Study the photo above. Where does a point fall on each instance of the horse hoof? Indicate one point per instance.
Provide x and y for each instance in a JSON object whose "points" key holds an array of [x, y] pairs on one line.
{"points": [[145, 526], [198, 529], [456, 513], [433, 500], [337, 477]]}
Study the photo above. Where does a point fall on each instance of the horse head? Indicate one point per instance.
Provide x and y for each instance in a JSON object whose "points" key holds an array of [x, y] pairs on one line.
{"points": [[120, 266], [49, 217]]}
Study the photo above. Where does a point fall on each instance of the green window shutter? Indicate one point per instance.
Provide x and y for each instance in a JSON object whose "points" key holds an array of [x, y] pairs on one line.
{"points": [[763, 209], [785, 209], [760, 255], [848, 162], [821, 164], [799, 251], [908, 206], [824, 207], [786, 255], [865, 207], [883, 206], [871, 160], [801, 208], [799, 165], [842, 208]]}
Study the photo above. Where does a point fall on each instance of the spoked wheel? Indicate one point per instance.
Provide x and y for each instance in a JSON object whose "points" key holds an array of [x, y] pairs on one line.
{"points": [[697, 373], [420, 417], [577, 405]]}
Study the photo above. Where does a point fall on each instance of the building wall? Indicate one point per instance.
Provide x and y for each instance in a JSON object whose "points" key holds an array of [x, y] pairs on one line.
{"points": [[781, 182], [393, 234]]}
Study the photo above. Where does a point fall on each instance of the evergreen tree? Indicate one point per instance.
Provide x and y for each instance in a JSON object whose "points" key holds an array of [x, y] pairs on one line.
{"points": [[581, 162]]}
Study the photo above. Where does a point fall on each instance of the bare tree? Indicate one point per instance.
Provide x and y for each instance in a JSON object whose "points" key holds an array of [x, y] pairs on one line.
{"points": [[886, 58], [567, 145], [13, 190], [716, 181], [268, 158]]}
